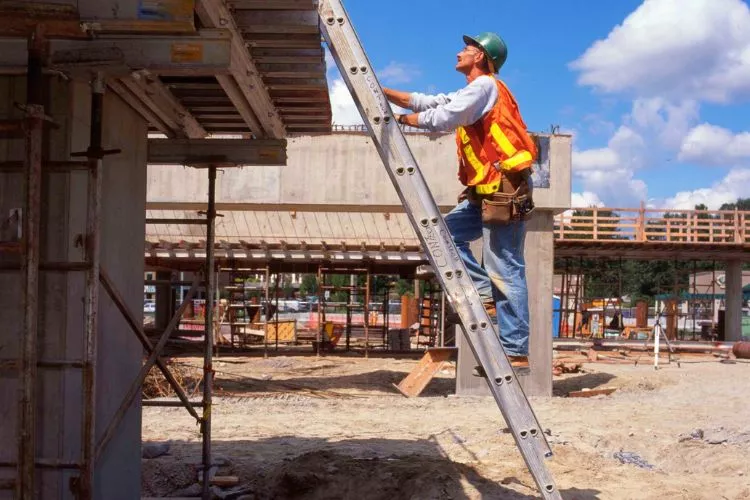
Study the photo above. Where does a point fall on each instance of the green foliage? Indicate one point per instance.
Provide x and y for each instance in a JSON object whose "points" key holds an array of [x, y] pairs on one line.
{"points": [[740, 204], [308, 286]]}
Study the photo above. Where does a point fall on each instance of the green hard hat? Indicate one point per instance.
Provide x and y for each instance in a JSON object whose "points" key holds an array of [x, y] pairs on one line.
{"points": [[493, 46]]}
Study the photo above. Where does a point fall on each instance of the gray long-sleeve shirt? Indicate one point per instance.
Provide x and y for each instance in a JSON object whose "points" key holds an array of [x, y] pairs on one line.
{"points": [[446, 112]]}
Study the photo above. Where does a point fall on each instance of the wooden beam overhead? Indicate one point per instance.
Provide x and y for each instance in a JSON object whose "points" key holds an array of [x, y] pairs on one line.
{"points": [[215, 13], [225, 152], [239, 99], [137, 104], [150, 88], [318, 68], [283, 41], [273, 4], [316, 52], [274, 60]]}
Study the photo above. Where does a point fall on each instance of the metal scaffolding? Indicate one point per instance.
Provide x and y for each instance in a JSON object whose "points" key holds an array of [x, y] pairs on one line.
{"points": [[33, 168]]}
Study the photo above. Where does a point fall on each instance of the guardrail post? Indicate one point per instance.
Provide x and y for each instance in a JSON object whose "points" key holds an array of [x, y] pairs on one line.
{"points": [[641, 229]]}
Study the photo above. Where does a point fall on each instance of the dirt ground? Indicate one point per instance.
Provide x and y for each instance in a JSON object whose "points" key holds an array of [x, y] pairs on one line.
{"points": [[334, 427]]}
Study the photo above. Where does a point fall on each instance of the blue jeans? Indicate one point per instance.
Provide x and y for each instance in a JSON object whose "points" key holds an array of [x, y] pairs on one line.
{"points": [[502, 277]]}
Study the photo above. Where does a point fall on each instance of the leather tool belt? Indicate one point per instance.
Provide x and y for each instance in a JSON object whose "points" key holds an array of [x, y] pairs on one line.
{"points": [[511, 203]]}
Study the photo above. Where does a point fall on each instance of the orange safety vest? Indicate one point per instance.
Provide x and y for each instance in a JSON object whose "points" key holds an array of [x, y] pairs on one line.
{"points": [[497, 142]]}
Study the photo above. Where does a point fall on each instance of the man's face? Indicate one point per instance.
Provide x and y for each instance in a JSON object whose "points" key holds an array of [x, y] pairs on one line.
{"points": [[469, 56]]}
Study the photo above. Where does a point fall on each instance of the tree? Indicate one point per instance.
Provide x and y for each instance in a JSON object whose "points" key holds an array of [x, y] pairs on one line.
{"points": [[740, 204], [308, 286]]}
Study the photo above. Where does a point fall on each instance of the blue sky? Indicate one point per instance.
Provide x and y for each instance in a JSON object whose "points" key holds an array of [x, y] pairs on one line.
{"points": [[656, 93]]}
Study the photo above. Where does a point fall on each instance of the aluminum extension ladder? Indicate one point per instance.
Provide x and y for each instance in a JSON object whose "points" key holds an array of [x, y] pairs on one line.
{"points": [[425, 217]]}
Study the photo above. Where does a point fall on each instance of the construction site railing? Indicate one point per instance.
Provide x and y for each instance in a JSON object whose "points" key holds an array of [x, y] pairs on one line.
{"points": [[654, 225]]}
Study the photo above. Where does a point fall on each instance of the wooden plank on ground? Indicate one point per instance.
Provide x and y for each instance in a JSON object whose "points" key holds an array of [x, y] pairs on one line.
{"points": [[225, 481], [591, 393], [430, 364]]}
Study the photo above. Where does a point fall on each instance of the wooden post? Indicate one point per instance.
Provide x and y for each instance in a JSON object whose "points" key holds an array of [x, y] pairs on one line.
{"points": [[671, 315], [641, 230], [641, 314]]}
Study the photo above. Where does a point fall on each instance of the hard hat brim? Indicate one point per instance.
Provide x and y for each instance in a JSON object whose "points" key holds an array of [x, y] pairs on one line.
{"points": [[470, 40]]}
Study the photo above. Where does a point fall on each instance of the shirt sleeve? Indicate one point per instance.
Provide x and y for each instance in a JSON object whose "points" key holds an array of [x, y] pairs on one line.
{"points": [[421, 102], [464, 108]]}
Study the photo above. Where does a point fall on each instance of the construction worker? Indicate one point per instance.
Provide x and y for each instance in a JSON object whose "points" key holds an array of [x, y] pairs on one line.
{"points": [[495, 155]]}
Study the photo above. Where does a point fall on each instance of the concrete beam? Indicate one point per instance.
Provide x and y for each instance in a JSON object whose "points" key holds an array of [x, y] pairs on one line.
{"points": [[228, 152], [214, 14]]}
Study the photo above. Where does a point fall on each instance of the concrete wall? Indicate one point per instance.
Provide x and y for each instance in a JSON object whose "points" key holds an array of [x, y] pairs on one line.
{"points": [[61, 325], [351, 161], [343, 173]]}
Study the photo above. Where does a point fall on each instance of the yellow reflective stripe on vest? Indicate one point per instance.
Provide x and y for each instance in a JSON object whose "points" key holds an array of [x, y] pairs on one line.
{"points": [[464, 136], [471, 157], [516, 161], [490, 188], [502, 140]]}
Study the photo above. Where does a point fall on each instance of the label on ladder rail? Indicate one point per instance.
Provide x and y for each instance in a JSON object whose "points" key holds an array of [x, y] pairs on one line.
{"points": [[437, 242]]}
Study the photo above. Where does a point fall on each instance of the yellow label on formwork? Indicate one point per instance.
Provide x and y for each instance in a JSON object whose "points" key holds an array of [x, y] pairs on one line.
{"points": [[186, 52]]}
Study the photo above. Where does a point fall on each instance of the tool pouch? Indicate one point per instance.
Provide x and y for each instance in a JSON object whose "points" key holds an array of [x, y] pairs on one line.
{"points": [[512, 203]]}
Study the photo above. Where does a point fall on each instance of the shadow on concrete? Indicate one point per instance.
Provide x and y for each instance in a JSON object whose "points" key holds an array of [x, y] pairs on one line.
{"points": [[375, 381], [290, 467], [561, 387]]}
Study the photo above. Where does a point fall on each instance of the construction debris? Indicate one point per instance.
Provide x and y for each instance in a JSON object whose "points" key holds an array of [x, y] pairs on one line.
{"points": [[156, 386], [559, 367], [628, 457], [590, 393], [154, 450]]}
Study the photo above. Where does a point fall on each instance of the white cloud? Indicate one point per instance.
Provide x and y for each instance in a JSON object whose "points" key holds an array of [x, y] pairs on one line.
{"points": [[712, 145], [594, 159], [344, 110], [735, 185], [670, 122], [651, 125], [672, 48], [397, 73], [585, 199], [624, 150]]}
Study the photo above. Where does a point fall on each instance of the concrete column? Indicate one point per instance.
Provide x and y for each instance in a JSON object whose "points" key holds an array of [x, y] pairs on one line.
{"points": [[733, 303], [164, 301], [61, 325], [539, 251]]}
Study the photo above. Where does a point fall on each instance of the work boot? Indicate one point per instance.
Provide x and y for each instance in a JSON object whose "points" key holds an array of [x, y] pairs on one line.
{"points": [[452, 318], [520, 365]]}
